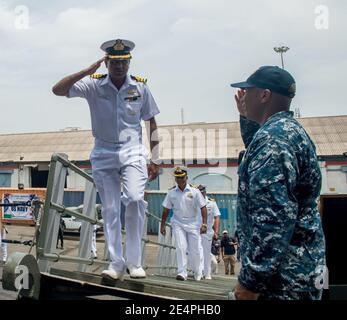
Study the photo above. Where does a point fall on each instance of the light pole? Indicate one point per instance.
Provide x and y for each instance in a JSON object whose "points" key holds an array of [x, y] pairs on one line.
{"points": [[281, 50], [20, 173]]}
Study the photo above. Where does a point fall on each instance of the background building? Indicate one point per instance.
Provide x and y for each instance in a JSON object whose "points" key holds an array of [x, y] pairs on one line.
{"points": [[209, 150]]}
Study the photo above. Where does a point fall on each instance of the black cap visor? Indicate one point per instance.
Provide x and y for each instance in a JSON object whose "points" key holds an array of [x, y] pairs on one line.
{"points": [[242, 85]]}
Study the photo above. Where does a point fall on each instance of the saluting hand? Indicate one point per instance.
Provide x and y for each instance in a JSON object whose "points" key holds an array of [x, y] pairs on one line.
{"points": [[95, 66], [240, 103]]}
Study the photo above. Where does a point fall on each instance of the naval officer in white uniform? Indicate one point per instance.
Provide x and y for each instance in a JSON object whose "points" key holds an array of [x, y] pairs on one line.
{"points": [[118, 103], [213, 222], [188, 222]]}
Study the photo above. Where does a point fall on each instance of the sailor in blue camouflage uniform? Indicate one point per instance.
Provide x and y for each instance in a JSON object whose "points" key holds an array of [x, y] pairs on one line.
{"points": [[281, 236]]}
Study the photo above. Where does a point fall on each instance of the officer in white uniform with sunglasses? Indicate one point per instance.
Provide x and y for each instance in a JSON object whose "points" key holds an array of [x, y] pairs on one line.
{"points": [[118, 102], [188, 223]]}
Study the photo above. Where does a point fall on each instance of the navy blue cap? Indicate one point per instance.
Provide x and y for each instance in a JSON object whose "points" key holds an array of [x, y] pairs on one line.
{"points": [[273, 78]]}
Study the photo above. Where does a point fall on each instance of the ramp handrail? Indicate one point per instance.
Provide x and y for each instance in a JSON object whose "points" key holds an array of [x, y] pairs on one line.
{"points": [[53, 209]]}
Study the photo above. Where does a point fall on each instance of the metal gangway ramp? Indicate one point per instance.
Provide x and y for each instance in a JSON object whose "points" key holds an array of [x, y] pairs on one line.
{"points": [[50, 272]]}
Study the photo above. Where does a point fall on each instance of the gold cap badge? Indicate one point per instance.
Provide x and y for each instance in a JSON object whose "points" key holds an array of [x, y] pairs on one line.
{"points": [[119, 45]]}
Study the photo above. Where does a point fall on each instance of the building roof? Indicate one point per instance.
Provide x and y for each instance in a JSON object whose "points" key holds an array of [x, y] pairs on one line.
{"points": [[202, 140]]}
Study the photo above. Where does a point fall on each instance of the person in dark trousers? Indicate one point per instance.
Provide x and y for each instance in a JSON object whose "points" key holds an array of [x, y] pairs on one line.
{"points": [[215, 255], [61, 230], [228, 252]]}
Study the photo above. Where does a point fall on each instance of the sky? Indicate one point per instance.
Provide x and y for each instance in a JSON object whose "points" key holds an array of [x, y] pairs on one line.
{"points": [[189, 50]]}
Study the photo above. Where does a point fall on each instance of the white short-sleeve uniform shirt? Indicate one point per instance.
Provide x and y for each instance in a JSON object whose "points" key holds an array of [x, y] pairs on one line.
{"points": [[113, 111], [186, 205], [212, 213]]}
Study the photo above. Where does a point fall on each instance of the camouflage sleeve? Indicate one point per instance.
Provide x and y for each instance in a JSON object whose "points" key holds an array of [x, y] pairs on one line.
{"points": [[273, 211], [248, 129]]}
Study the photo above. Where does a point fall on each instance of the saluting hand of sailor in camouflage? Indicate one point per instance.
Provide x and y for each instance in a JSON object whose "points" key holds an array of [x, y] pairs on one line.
{"points": [[239, 98]]}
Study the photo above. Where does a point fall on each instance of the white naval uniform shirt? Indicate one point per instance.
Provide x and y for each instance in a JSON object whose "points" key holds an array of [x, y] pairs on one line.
{"points": [[212, 213], [111, 112], [186, 205]]}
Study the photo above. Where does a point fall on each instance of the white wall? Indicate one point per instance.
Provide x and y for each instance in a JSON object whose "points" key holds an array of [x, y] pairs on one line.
{"points": [[75, 181], [323, 169], [25, 177], [336, 180], [14, 179]]}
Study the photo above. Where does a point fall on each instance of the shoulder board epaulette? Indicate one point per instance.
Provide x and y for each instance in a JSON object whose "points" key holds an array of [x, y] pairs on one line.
{"points": [[139, 79], [98, 76], [193, 186], [172, 187], [211, 199]]}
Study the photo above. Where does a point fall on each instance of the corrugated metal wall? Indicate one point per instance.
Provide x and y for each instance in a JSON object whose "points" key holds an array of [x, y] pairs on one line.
{"points": [[226, 203], [75, 198], [227, 206]]}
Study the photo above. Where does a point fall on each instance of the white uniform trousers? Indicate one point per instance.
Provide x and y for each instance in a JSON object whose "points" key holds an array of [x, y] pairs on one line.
{"points": [[108, 173], [3, 247], [206, 240], [187, 239], [214, 264]]}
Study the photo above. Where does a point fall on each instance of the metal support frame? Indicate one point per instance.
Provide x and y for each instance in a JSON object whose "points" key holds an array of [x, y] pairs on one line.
{"points": [[166, 259], [89, 211], [50, 220], [53, 209]]}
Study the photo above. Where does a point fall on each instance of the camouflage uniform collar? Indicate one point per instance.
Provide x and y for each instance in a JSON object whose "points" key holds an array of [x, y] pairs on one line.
{"points": [[278, 116]]}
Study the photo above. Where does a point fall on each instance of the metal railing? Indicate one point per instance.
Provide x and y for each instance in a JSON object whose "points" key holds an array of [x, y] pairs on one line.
{"points": [[50, 219]]}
